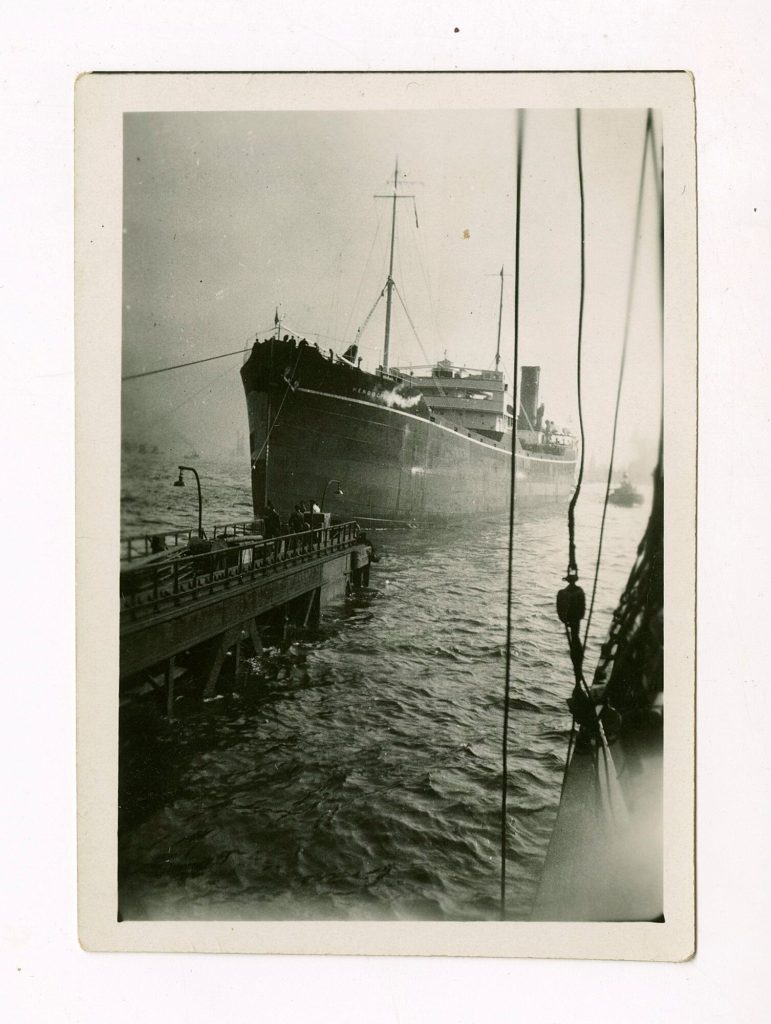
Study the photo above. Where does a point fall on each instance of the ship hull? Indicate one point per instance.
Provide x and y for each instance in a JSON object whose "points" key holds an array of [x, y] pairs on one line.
{"points": [[393, 465]]}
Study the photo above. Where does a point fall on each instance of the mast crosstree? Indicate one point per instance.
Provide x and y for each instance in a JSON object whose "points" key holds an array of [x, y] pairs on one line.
{"points": [[390, 282]]}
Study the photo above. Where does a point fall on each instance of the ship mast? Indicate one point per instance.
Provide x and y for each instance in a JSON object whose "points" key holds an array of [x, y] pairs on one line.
{"points": [[390, 284], [500, 317], [390, 281]]}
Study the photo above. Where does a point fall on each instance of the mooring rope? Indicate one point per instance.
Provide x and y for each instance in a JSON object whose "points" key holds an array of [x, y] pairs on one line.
{"points": [[180, 366], [512, 496], [192, 362]]}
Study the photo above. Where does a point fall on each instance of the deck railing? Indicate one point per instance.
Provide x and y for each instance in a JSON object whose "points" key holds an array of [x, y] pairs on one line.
{"points": [[165, 540], [182, 579]]}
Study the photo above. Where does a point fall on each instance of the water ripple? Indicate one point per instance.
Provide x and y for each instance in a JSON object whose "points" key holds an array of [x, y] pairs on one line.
{"points": [[358, 774]]}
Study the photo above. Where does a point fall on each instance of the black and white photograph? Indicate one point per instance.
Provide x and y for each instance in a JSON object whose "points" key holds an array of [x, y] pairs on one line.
{"points": [[385, 401], [402, 393]]}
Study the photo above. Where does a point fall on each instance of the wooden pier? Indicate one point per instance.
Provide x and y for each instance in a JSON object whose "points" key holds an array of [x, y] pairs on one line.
{"points": [[198, 608]]}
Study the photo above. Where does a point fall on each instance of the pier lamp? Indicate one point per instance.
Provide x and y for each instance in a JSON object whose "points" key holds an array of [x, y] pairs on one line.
{"points": [[338, 493], [179, 482]]}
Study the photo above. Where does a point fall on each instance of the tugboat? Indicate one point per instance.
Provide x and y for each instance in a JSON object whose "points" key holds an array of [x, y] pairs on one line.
{"points": [[626, 493]]}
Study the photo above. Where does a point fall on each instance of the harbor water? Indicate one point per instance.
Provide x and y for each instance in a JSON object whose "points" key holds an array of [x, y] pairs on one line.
{"points": [[357, 774]]}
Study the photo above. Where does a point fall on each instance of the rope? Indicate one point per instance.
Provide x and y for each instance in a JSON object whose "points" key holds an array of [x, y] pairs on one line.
{"points": [[659, 178], [365, 268], [572, 630], [610, 797], [622, 365], [427, 281], [412, 325], [278, 411], [571, 741], [179, 366], [512, 495], [442, 391], [630, 664], [572, 567], [193, 362], [368, 317]]}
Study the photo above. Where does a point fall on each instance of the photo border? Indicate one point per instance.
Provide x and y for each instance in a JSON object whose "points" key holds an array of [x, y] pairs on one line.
{"points": [[101, 101]]}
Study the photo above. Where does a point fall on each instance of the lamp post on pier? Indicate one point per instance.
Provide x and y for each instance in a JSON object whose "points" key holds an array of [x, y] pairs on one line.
{"points": [[338, 493], [179, 482]]}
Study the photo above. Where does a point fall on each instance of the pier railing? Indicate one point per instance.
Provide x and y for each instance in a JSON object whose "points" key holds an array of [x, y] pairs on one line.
{"points": [[182, 579], [132, 548]]}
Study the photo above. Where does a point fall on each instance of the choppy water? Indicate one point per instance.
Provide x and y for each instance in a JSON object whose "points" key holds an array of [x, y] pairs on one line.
{"points": [[357, 775]]}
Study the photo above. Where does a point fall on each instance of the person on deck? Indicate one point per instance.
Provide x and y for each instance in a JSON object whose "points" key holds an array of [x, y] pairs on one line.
{"points": [[297, 520], [272, 521], [371, 557], [296, 525]]}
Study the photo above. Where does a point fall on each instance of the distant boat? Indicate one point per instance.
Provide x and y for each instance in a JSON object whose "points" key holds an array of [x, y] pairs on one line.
{"points": [[626, 493]]}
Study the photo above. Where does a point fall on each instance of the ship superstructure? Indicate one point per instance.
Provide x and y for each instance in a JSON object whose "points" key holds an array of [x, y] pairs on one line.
{"points": [[406, 448]]}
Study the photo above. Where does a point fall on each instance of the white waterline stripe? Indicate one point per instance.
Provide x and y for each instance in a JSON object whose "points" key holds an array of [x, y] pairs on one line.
{"points": [[439, 426]]}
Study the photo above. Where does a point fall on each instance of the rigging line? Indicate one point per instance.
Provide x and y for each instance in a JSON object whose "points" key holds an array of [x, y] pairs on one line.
{"points": [[367, 318], [622, 365], [403, 301], [573, 633], [442, 391], [401, 277], [658, 173], [179, 366], [572, 567], [192, 362], [571, 742], [576, 657], [512, 496], [427, 281], [288, 388], [273, 424], [412, 325], [364, 269]]}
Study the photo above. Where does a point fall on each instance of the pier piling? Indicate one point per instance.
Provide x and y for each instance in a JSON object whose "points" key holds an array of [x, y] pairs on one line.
{"points": [[199, 607]]}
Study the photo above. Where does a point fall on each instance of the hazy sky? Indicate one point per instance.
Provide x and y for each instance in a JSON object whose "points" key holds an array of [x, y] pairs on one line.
{"points": [[227, 216]]}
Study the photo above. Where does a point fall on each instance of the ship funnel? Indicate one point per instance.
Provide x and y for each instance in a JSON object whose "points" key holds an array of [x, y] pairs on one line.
{"points": [[528, 404]]}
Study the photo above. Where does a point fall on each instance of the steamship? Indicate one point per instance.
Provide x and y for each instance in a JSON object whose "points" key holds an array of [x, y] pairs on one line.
{"points": [[400, 448]]}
